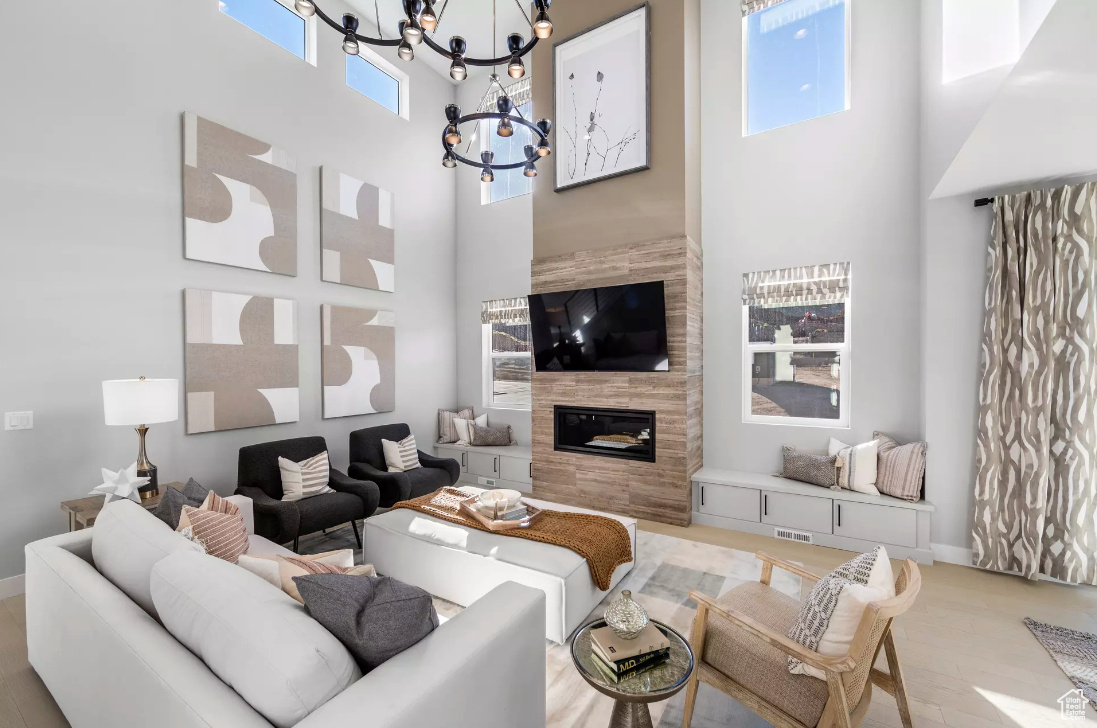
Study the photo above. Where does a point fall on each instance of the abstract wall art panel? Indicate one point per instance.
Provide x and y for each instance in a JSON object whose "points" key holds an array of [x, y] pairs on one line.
{"points": [[359, 360], [239, 199], [241, 361], [357, 232], [602, 108]]}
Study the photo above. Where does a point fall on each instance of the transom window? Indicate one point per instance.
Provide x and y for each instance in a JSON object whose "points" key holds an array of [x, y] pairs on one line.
{"points": [[378, 80], [796, 61], [276, 21], [509, 183], [796, 346], [508, 365]]}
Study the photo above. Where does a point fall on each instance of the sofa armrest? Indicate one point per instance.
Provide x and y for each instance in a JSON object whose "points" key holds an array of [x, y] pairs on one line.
{"points": [[247, 510], [498, 641], [366, 490], [394, 487], [450, 465], [283, 513]]}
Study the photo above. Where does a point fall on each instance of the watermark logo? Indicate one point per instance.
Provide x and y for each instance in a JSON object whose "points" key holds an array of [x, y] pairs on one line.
{"points": [[1073, 705]]}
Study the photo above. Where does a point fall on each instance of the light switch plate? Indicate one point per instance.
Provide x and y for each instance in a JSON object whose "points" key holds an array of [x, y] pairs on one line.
{"points": [[18, 420]]}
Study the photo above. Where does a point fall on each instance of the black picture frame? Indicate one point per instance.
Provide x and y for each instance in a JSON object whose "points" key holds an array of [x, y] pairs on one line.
{"points": [[556, 48]]}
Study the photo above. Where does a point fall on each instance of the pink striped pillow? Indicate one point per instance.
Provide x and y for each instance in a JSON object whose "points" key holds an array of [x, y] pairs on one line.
{"points": [[217, 504], [223, 534]]}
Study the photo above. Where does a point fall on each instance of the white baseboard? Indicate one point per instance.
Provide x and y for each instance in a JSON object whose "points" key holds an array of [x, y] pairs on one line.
{"points": [[951, 554], [12, 586]]}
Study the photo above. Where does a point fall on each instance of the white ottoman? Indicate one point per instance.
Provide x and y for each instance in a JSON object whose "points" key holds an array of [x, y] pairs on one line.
{"points": [[462, 564]]}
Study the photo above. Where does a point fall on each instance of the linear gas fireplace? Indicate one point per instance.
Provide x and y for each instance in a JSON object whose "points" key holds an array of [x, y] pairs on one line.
{"points": [[612, 433]]}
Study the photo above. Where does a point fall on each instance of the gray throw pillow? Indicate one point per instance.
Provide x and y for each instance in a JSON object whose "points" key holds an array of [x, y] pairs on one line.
{"points": [[809, 468], [195, 493], [488, 436], [375, 617], [170, 507]]}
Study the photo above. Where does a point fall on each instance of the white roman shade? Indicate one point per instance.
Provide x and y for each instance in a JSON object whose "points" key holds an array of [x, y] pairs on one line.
{"points": [[505, 311], [520, 92], [753, 6], [825, 283]]}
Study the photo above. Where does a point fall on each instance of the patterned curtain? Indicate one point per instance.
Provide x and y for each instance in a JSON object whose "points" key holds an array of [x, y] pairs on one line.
{"points": [[826, 283], [753, 6], [1036, 456], [505, 311]]}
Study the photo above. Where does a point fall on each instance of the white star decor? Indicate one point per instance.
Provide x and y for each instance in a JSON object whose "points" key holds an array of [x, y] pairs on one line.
{"points": [[123, 484]]}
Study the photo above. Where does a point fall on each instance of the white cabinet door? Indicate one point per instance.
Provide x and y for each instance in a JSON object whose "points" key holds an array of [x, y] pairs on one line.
{"points": [[456, 453], [517, 470], [729, 501], [799, 512], [483, 464], [877, 524]]}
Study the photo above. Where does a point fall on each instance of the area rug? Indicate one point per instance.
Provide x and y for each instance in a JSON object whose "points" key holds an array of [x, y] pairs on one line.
{"points": [[1074, 652], [667, 569]]}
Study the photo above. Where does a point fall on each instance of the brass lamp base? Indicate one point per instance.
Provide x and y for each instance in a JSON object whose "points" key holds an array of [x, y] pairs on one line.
{"points": [[146, 469]]}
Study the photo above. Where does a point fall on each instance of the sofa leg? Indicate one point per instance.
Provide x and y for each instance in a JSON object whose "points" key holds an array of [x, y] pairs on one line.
{"points": [[357, 537], [295, 540]]}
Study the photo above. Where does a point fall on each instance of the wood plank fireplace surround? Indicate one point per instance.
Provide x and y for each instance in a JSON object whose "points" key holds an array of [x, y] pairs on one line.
{"points": [[659, 490]]}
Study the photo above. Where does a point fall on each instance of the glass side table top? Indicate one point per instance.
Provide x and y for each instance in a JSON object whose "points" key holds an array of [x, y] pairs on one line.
{"points": [[657, 684]]}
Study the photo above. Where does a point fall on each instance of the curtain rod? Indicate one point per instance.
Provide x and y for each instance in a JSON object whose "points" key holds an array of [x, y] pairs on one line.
{"points": [[984, 201]]}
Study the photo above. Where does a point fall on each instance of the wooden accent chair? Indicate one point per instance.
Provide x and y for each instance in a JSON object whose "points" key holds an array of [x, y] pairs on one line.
{"points": [[741, 649]]}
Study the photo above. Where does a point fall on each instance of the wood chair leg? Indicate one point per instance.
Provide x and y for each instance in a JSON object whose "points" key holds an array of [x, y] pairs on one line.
{"points": [[697, 644], [840, 706], [357, 536], [767, 573], [897, 681], [295, 544]]}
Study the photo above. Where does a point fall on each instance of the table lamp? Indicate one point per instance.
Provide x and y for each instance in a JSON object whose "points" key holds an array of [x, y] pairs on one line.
{"points": [[139, 403]]}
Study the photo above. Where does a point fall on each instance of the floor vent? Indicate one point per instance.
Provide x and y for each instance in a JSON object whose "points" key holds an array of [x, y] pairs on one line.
{"points": [[786, 534]]}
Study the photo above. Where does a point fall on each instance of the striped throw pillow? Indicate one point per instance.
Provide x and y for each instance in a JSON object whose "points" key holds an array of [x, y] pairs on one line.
{"points": [[217, 504], [224, 535], [306, 478], [401, 456], [289, 567], [900, 468], [447, 432]]}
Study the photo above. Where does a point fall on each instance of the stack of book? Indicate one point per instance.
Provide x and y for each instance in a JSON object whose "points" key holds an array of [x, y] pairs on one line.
{"points": [[619, 659], [514, 513]]}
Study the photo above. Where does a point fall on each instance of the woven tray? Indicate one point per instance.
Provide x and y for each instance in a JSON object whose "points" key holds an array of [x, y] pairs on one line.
{"points": [[468, 508]]}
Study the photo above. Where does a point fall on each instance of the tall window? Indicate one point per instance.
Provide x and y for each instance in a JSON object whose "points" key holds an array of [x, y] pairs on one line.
{"points": [[508, 150], [796, 346], [274, 20], [796, 64], [508, 365], [378, 80]]}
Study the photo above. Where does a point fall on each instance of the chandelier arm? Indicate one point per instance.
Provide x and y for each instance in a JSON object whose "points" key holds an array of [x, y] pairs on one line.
{"points": [[441, 14], [433, 45], [343, 31]]}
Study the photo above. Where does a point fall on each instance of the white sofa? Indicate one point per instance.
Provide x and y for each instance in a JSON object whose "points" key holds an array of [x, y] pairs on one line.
{"points": [[108, 662], [462, 564]]}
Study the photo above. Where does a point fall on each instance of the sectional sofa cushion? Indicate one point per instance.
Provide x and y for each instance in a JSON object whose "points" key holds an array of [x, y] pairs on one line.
{"points": [[256, 639], [374, 616], [126, 543]]}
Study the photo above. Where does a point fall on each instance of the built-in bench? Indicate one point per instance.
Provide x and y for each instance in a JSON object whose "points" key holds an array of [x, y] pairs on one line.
{"points": [[844, 519], [492, 467]]}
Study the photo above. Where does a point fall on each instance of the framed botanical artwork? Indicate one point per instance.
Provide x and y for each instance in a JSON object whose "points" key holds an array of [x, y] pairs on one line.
{"points": [[602, 100], [358, 360], [239, 199], [357, 232]]}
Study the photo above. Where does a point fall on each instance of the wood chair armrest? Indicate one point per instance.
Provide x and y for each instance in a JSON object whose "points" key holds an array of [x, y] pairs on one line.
{"points": [[770, 561], [835, 665]]}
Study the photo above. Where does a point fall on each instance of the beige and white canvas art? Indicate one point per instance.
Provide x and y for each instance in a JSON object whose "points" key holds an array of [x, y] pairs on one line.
{"points": [[357, 232], [241, 361], [358, 360], [239, 199]]}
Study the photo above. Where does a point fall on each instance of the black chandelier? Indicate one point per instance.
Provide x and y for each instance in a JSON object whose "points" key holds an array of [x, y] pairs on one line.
{"points": [[451, 137], [421, 19]]}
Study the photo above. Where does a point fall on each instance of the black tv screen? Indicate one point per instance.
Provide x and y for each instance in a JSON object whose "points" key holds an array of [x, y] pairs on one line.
{"points": [[611, 329]]}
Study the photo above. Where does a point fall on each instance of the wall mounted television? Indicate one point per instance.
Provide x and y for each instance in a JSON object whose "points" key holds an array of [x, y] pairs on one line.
{"points": [[609, 329]]}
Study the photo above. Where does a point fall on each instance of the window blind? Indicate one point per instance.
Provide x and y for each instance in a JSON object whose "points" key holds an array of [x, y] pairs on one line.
{"points": [[505, 311], [825, 283]]}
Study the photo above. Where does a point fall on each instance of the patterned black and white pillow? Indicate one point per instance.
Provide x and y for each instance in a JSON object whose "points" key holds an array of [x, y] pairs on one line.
{"points": [[491, 436], [809, 468], [828, 620]]}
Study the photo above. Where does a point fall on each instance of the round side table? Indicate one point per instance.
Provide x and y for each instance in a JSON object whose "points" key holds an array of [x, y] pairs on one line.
{"points": [[633, 694]]}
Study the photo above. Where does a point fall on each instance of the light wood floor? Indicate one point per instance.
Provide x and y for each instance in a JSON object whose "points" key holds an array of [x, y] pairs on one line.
{"points": [[969, 660]]}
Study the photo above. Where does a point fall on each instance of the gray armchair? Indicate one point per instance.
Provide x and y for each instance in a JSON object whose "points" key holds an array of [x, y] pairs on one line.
{"points": [[281, 521], [367, 462]]}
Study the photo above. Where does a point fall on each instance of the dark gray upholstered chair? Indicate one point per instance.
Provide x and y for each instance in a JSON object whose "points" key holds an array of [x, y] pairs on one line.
{"points": [[281, 521], [367, 461]]}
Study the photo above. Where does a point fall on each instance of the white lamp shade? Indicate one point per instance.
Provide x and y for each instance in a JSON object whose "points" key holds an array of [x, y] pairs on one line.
{"points": [[133, 402]]}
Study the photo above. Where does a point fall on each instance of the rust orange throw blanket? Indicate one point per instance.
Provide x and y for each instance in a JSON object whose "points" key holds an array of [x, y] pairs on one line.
{"points": [[603, 542]]}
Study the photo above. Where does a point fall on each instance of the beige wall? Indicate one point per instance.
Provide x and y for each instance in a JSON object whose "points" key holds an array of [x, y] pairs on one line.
{"points": [[656, 204]]}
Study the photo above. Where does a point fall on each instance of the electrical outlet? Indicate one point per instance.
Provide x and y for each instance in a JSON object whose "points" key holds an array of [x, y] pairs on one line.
{"points": [[18, 420]]}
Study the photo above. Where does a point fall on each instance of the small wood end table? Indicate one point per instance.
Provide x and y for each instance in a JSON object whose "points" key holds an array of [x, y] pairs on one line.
{"points": [[82, 512], [634, 693]]}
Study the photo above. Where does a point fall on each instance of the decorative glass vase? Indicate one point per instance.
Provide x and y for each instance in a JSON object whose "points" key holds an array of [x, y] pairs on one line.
{"points": [[625, 617]]}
